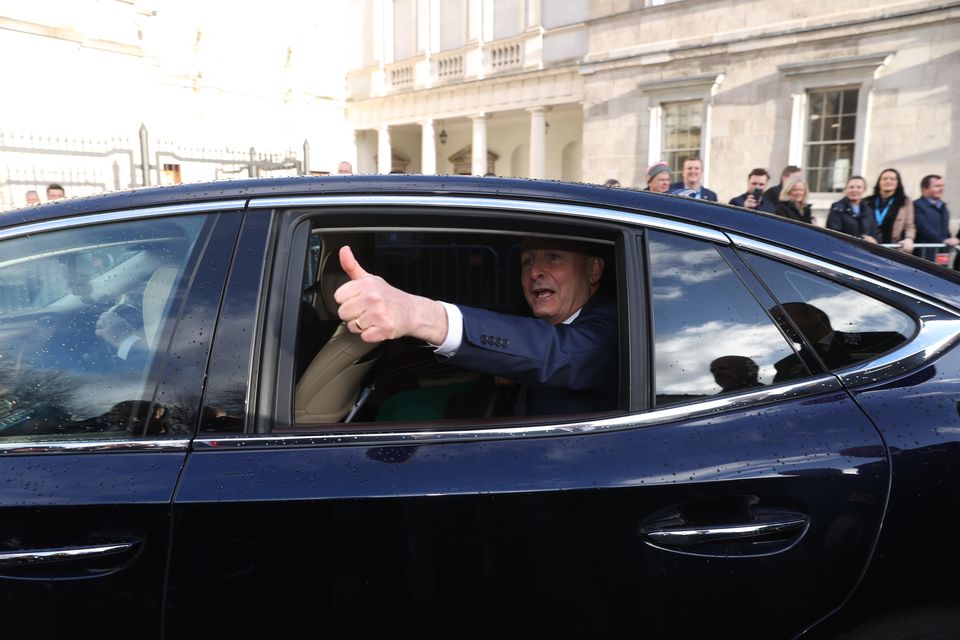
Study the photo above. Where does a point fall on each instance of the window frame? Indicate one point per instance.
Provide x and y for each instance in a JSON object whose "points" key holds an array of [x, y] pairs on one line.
{"points": [[802, 77], [274, 415], [822, 143], [155, 379], [701, 87]]}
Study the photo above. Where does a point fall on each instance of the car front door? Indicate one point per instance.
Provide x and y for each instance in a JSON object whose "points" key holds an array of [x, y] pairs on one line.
{"points": [[102, 334], [716, 501]]}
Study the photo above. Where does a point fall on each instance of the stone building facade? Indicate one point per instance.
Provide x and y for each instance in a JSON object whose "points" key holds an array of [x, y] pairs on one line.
{"points": [[596, 89]]}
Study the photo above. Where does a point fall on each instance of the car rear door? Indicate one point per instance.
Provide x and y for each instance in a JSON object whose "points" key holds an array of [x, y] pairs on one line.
{"points": [[733, 510], [93, 444]]}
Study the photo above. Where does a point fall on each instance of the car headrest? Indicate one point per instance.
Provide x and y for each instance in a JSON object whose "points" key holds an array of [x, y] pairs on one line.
{"points": [[331, 278]]}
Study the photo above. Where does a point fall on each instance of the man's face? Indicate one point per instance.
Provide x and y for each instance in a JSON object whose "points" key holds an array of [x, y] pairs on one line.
{"points": [[33, 197], [691, 172], [556, 283], [756, 182], [934, 190], [344, 168], [55, 194]]}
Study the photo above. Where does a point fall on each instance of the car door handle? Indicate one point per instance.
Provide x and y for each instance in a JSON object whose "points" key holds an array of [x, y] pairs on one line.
{"points": [[62, 554], [731, 526], [766, 527]]}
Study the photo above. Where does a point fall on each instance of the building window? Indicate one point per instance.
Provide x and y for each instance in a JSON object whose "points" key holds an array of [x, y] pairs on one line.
{"points": [[831, 138], [682, 134]]}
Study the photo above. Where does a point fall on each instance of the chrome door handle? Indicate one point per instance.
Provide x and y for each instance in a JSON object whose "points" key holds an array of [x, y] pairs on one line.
{"points": [[767, 527], [43, 556]]}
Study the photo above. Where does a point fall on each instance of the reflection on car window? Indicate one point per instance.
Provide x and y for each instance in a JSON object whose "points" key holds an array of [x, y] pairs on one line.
{"points": [[82, 318], [711, 336], [842, 325]]}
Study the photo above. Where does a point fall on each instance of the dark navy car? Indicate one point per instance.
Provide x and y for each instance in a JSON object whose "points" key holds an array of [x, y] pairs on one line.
{"points": [[191, 445]]}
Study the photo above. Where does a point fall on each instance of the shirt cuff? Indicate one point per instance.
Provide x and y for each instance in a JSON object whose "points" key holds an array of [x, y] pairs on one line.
{"points": [[124, 350], [454, 335]]}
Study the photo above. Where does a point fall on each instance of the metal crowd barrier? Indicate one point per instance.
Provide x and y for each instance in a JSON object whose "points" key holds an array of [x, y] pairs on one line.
{"points": [[933, 251]]}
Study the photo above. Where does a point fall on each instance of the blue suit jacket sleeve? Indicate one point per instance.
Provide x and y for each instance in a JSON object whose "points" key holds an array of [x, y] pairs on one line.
{"points": [[531, 351]]}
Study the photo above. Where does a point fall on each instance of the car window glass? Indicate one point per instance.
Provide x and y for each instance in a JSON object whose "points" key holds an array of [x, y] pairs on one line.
{"points": [[844, 326], [711, 336], [83, 316], [341, 379]]}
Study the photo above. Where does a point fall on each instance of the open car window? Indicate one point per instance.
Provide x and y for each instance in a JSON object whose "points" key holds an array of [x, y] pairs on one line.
{"points": [[341, 380]]}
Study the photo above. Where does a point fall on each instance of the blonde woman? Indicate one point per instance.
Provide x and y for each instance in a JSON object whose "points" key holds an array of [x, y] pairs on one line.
{"points": [[793, 200]]}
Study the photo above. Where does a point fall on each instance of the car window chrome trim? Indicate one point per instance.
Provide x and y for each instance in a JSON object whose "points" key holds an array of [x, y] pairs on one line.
{"points": [[99, 446], [116, 216], [702, 409], [934, 336], [524, 206], [830, 270]]}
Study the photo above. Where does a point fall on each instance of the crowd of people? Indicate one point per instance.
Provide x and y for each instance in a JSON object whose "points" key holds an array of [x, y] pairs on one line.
{"points": [[886, 216]]}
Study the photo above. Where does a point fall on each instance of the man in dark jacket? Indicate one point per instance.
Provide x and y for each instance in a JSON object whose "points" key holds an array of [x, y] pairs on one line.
{"points": [[932, 216], [692, 176], [852, 214], [753, 197]]}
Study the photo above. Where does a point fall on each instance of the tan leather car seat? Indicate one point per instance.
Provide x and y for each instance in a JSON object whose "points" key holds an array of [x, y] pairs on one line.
{"points": [[156, 296], [329, 387]]}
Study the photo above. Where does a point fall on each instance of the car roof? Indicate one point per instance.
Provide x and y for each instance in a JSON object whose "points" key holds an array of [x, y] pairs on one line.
{"points": [[802, 237]]}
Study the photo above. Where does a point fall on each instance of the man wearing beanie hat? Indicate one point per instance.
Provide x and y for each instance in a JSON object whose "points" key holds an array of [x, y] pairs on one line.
{"points": [[566, 355], [658, 178]]}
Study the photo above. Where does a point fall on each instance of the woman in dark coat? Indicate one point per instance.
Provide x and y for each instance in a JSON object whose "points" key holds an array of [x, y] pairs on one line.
{"points": [[893, 211], [852, 215], [793, 200]]}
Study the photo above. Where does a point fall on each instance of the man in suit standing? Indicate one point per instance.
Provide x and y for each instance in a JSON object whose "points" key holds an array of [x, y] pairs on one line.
{"points": [[753, 197], [692, 175], [566, 355], [932, 216]]}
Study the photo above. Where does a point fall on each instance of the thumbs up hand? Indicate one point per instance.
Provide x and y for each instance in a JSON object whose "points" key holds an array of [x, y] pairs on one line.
{"points": [[378, 311]]}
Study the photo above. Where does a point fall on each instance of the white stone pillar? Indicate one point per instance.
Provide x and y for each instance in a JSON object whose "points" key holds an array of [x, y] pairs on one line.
{"points": [[384, 152], [479, 149], [538, 143], [428, 149], [797, 128]]}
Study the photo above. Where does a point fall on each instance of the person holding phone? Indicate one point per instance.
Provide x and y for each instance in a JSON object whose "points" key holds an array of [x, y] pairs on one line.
{"points": [[753, 197]]}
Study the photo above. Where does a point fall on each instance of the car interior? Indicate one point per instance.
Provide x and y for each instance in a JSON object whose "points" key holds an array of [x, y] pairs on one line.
{"points": [[340, 378]]}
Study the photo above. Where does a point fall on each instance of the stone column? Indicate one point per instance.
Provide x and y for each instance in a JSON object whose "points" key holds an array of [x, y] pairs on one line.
{"points": [[538, 143], [384, 153], [428, 149], [479, 149]]}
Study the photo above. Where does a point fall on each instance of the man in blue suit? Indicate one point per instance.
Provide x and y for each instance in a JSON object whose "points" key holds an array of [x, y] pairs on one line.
{"points": [[932, 216], [692, 176], [566, 356]]}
